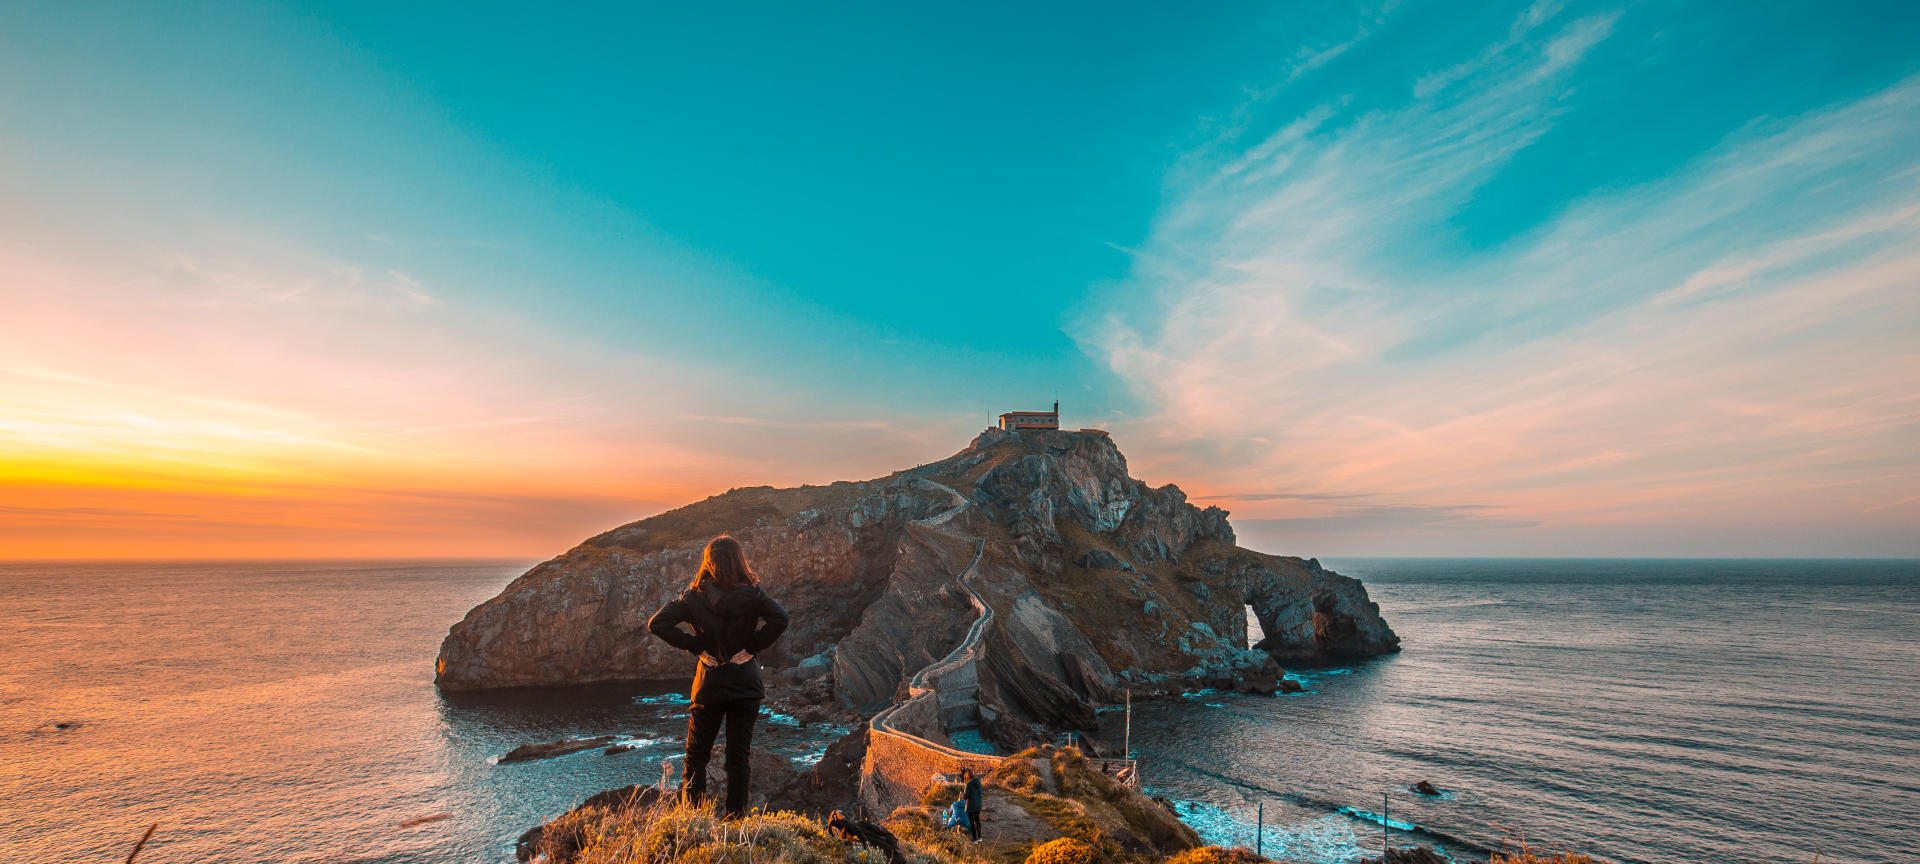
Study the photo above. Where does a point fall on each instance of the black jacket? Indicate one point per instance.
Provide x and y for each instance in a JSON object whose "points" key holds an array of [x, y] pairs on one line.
{"points": [[744, 619]]}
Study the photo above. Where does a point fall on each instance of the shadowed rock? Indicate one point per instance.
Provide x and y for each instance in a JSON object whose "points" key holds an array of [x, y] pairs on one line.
{"points": [[1411, 855], [530, 752]]}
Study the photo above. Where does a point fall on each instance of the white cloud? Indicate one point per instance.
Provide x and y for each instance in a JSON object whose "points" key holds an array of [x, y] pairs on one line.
{"points": [[1735, 342]]}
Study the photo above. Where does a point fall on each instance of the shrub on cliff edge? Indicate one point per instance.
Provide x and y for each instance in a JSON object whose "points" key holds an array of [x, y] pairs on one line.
{"points": [[1063, 850], [683, 834], [1016, 772]]}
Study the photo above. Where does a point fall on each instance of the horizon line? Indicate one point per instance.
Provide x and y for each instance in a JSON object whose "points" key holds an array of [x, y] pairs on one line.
{"points": [[509, 560]]}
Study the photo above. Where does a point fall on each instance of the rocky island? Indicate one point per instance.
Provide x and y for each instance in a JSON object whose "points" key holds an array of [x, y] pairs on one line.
{"points": [[970, 607], [1086, 579]]}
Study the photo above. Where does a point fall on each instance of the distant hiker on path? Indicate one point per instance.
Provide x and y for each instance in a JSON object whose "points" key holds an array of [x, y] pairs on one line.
{"points": [[731, 621]]}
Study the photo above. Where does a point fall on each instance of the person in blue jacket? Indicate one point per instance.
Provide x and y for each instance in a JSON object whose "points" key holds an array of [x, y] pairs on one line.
{"points": [[957, 817], [724, 619]]}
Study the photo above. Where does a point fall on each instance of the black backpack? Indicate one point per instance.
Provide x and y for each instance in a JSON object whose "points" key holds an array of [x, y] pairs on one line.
{"points": [[868, 833]]}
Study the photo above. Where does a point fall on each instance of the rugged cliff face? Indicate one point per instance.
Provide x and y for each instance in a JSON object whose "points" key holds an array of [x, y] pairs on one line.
{"points": [[1097, 582]]}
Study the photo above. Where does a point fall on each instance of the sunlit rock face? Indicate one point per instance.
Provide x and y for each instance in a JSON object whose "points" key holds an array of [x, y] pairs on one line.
{"points": [[1098, 582], [826, 552]]}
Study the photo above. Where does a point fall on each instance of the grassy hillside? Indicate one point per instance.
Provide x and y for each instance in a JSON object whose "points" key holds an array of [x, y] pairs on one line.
{"points": [[1043, 807]]}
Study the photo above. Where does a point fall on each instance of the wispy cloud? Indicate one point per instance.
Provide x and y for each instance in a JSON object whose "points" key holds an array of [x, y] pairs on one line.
{"points": [[1732, 341], [411, 288], [1384, 519], [1274, 496]]}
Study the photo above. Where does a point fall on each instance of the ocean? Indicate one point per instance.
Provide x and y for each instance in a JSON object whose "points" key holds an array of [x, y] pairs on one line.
{"points": [[285, 712], [1643, 711], [1646, 711]]}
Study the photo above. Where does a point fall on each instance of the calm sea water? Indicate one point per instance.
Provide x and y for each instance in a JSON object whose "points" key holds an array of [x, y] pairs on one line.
{"points": [[285, 713], [1646, 711]]}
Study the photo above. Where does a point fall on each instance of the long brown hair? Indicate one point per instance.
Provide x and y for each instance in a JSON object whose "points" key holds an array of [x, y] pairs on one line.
{"points": [[724, 564]]}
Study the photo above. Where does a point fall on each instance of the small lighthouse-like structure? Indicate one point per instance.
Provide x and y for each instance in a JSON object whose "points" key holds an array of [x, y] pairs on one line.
{"points": [[1017, 420]]}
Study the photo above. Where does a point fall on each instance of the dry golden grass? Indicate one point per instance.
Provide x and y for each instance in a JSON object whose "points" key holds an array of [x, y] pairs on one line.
{"points": [[1116, 806], [1103, 819], [676, 833], [1063, 850], [1062, 815], [1017, 773], [923, 832], [683, 834], [939, 795]]}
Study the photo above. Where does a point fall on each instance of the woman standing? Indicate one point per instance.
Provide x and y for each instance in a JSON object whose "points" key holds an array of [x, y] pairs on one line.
{"points": [[730, 620]]}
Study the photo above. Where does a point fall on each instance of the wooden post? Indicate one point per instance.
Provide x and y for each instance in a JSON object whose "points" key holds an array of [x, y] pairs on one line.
{"points": [[1129, 738], [1383, 828], [1260, 829]]}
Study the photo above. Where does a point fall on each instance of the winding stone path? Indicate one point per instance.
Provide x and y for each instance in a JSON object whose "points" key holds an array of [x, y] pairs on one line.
{"points": [[954, 680], [900, 763]]}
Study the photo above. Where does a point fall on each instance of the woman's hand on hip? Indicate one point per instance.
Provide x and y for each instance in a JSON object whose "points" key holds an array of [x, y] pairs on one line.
{"points": [[709, 660], [740, 656]]}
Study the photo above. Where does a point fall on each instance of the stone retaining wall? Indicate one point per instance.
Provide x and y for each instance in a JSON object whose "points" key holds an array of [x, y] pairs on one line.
{"points": [[899, 767]]}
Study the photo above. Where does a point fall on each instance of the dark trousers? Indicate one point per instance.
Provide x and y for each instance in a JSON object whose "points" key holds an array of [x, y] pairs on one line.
{"points": [[703, 725], [973, 821]]}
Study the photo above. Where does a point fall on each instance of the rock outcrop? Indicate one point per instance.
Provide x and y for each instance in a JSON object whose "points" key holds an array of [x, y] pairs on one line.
{"points": [[1097, 581], [827, 551], [552, 749]]}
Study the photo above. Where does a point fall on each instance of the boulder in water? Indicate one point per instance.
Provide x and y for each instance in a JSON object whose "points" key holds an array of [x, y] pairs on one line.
{"points": [[528, 752]]}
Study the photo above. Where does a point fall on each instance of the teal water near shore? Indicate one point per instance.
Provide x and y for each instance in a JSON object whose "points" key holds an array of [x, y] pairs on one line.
{"points": [[1647, 711]]}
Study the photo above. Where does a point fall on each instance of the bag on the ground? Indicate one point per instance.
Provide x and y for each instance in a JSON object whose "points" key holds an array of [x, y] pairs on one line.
{"points": [[867, 833]]}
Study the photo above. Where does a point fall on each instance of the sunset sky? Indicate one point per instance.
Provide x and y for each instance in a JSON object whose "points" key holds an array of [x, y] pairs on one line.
{"points": [[1403, 278]]}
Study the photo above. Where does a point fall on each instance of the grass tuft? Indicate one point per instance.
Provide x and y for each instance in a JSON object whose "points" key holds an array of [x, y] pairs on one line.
{"points": [[939, 795], [1063, 850], [676, 833], [1017, 773]]}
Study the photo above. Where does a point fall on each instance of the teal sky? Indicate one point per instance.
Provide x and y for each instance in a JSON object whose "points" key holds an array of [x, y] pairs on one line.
{"points": [[1397, 278]]}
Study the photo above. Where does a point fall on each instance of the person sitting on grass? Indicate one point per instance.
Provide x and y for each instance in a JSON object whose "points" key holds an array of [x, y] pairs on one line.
{"points": [[957, 816]]}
